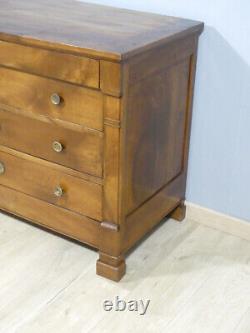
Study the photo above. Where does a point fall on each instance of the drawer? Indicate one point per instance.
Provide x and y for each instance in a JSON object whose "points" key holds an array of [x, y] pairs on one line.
{"points": [[37, 95], [51, 185], [80, 150], [62, 66]]}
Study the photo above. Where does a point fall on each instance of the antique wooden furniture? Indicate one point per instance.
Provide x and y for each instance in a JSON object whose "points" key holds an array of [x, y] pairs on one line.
{"points": [[95, 114]]}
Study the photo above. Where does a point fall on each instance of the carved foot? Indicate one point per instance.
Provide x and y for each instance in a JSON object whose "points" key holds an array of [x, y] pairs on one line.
{"points": [[112, 268], [179, 213]]}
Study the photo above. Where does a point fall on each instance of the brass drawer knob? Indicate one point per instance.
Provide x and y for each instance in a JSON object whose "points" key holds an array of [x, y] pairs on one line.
{"points": [[58, 192], [57, 146], [55, 99], [2, 168]]}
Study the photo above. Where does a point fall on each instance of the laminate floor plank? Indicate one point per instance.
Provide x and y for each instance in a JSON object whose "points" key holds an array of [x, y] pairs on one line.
{"points": [[172, 284], [85, 298], [196, 278], [36, 267], [243, 325], [218, 305]]}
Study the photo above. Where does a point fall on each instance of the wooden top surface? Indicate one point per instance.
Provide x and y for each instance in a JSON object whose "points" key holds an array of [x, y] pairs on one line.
{"points": [[99, 31]]}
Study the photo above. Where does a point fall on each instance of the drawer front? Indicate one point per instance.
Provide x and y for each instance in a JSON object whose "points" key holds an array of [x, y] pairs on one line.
{"points": [[80, 150], [34, 94], [45, 183], [66, 67]]}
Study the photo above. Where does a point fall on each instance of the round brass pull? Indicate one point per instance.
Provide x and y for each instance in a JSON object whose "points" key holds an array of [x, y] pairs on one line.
{"points": [[2, 168], [57, 146], [55, 99], [58, 192]]}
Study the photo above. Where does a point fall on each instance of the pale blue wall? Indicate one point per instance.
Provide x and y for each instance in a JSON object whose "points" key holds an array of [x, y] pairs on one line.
{"points": [[219, 167]]}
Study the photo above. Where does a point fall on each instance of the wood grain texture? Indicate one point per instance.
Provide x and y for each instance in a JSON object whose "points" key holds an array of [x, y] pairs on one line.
{"points": [[47, 164], [87, 28], [112, 268], [179, 265], [82, 150], [150, 63], [157, 140], [124, 139], [40, 182], [179, 213], [110, 78], [191, 276], [32, 94], [152, 212], [33, 259], [79, 70], [58, 219], [156, 122], [112, 117]]}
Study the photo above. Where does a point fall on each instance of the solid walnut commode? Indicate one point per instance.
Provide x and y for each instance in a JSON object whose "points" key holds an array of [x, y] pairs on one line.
{"points": [[95, 115]]}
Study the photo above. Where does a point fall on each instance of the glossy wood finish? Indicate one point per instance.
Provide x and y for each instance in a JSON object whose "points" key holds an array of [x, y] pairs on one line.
{"points": [[179, 213], [123, 138], [40, 182], [110, 74], [82, 150], [96, 30], [56, 218], [156, 125], [33, 94], [112, 268], [152, 212], [155, 133], [80, 70], [112, 123]]}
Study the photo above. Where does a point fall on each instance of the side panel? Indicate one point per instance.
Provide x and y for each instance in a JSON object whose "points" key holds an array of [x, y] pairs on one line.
{"points": [[156, 132], [158, 119], [145, 179]]}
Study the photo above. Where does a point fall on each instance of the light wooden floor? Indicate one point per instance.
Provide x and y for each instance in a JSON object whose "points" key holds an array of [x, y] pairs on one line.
{"points": [[197, 278]]}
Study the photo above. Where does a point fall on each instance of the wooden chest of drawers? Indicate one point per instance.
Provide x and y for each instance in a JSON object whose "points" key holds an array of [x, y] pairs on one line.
{"points": [[95, 114]]}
